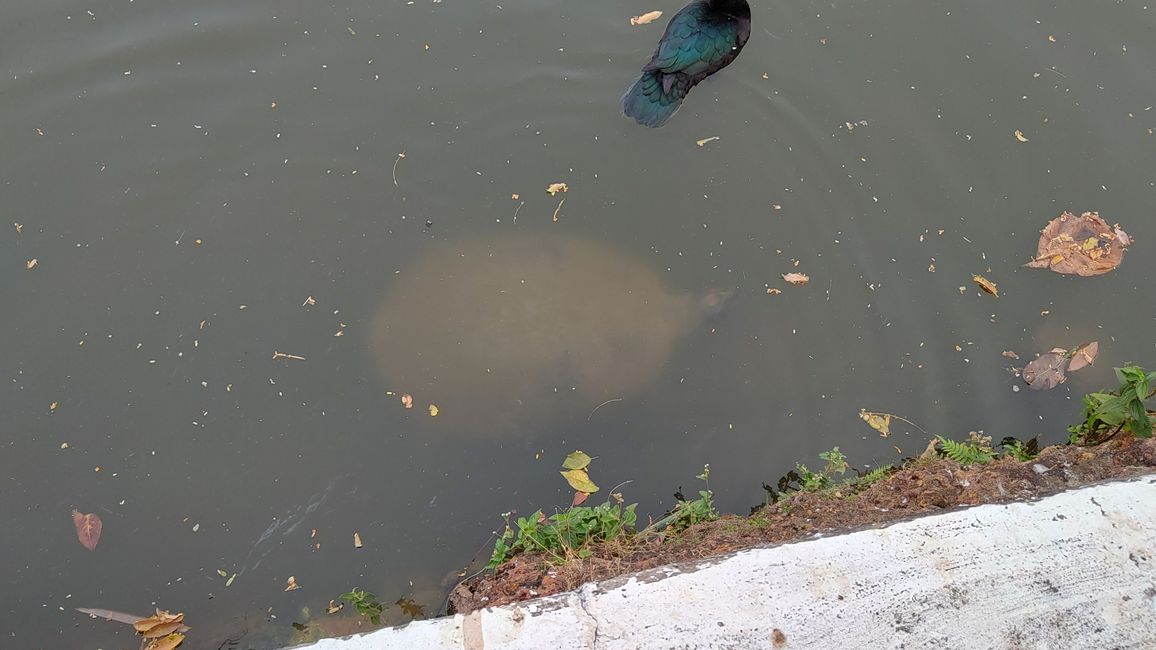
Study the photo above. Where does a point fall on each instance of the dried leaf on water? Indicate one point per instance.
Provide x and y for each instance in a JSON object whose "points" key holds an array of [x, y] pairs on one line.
{"points": [[160, 618], [646, 18], [579, 498], [985, 284], [407, 400], [88, 528], [291, 584], [1084, 356], [333, 607], [1010, 354], [411, 607], [576, 460], [433, 410], [167, 643], [579, 480], [881, 422], [1020, 136], [31, 264], [1085, 245], [357, 540], [554, 188], [797, 278], [1047, 371], [704, 141]]}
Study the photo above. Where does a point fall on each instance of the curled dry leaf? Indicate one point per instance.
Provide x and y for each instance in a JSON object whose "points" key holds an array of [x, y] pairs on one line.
{"points": [[579, 498], [985, 284], [1020, 136], [772, 291], [1084, 356], [291, 584], [88, 528], [166, 643], [357, 540], [554, 188], [333, 607], [31, 264], [433, 410], [1047, 371], [159, 618], [1010, 354], [797, 278], [646, 18], [1084, 245], [407, 400]]}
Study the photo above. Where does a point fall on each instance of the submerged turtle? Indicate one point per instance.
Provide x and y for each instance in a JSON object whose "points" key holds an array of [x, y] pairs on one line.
{"points": [[507, 332]]}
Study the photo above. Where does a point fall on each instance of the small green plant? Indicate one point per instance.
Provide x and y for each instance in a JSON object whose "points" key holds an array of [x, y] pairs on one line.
{"points": [[565, 533], [1107, 413], [366, 604], [976, 451], [1020, 450], [688, 513], [872, 477], [814, 481]]}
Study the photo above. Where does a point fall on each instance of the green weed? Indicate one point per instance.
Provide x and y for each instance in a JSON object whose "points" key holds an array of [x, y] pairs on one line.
{"points": [[366, 604], [1107, 413]]}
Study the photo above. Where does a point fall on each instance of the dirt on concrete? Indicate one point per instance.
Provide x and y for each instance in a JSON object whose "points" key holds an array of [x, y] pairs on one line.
{"points": [[927, 486]]}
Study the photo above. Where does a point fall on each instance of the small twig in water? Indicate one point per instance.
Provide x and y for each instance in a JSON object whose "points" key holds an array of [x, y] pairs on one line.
{"points": [[519, 209], [399, 157], [616, 399], [282, 355]]}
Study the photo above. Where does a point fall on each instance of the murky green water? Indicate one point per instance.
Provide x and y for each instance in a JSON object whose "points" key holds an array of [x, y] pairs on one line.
{"points": [[187, 174]]}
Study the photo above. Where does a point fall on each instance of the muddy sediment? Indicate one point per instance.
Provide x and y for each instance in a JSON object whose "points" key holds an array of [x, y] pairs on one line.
{"points": [[925, 487]]}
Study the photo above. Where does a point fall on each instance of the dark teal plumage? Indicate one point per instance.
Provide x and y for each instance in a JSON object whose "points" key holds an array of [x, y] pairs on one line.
{"points": [[701, 39]]}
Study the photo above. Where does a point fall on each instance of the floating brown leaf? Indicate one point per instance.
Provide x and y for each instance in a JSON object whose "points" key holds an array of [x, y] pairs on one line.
{"points": [[88, 529], [797, 278], [1047, 371], [159, 618], [1084, 356], [407, 400], [554, 188], [291, 584], [645, 18], [1020, 136], [357, 543], [1010, 354], [411, 607], [579, 498], [167, 643], [986, 285], [1084, 245]]}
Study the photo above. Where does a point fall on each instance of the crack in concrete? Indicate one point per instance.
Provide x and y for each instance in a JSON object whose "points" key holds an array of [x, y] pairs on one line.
{"points": [[584, 595]]}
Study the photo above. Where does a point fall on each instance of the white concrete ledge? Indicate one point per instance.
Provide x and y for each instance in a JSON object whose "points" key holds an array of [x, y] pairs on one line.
{"points": [[1075, 570]]}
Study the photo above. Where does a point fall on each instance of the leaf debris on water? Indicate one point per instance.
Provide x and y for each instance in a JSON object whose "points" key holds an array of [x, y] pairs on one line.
{"points": [[399, 157], [309, 302], [357, 540], [407, 400], [702, 143], [558, 209], [646, 18], [291, 584], [1020, 136], [797, 278], [19, 227], [1084, 356], [88, 529], [433, 410], [987, 285], [282, 355], [553, 188], [1047, 371], [31, 264], [1085, 245]]}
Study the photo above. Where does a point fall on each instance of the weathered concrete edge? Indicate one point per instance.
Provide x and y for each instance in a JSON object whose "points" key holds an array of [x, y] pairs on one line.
{"points": [[1076, 569]]}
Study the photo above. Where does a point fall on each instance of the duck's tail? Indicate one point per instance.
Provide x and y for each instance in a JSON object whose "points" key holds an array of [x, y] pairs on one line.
{"points": [[654, 98]]}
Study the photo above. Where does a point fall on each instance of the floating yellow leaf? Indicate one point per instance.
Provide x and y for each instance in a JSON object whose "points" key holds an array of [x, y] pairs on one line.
{"points": [[986, 285], [881, 422], [579, 480], [433, 410], [646, 18], [797, 278], [291, 584], [1020, 136], [31, 264], [357, 540], [167, 643], [576, 460], [554, 188]]}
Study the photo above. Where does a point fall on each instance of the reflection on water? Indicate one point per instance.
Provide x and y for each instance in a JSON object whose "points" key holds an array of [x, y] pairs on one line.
{"points": [[188, 175]]}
